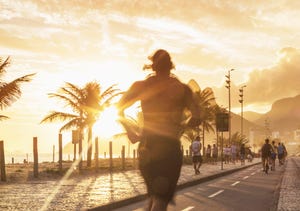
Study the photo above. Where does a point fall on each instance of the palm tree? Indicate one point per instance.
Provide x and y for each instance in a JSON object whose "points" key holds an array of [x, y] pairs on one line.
{"points": [[10, 91], [239, 139], [86, 103], [218, 109], [73, 97], [206, 103], [96, 102]]}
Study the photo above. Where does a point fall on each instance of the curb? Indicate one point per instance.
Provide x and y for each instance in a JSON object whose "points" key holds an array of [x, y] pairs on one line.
{"points": [[141, 197]]}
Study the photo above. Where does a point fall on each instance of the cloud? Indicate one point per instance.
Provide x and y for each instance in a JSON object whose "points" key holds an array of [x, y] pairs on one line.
{"points": [[269, 84], [281, 80]]}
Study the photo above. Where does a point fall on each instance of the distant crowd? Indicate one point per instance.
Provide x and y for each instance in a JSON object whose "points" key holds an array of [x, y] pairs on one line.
{"points": [[231, 154], [270, 152]]}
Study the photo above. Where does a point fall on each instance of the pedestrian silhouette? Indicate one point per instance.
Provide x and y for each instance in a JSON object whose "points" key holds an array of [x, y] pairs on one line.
{"points": [[164, 100]]}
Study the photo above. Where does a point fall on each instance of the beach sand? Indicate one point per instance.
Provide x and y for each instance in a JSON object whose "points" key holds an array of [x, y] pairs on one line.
{"points": [[19, 173]]}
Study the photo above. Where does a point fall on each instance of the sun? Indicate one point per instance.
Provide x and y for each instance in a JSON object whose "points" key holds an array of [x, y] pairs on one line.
{"points": [[108, 125]]}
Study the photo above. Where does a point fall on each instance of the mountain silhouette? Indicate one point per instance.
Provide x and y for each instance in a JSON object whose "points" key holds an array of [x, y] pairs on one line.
{"points": [[252, 116], [284, 115]]}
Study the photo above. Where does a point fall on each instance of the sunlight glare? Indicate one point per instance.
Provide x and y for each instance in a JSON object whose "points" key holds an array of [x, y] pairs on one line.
{"points": [[107, 125]]}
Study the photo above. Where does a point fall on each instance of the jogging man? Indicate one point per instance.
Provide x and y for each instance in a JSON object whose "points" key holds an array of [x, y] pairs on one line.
{"points": [[164, 99]]}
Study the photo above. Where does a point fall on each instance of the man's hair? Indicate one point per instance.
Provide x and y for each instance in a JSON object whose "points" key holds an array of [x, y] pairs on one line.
{"points": [[161, 62]]}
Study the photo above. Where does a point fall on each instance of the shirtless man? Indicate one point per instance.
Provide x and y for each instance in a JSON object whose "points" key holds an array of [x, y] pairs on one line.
{"points": [[163, 101]]}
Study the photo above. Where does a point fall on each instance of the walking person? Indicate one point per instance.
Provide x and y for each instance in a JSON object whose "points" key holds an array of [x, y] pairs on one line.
{"points": [[243, 154], [273, 155], [196, 154], [163, 101], [265, 155], [233, 153], [280, 152], [226, 152], [285, 152], [215, 154], [208, 153]]}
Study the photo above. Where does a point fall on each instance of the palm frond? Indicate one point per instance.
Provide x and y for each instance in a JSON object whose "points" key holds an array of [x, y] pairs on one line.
{"points": [[70, 125], [68, 102], [4, 65], [75, 89], [109, 91], [10, 92], [58, 116], [2, 117]]}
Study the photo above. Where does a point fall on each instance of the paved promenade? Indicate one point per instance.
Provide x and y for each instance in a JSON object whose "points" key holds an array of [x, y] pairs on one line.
{"points": [[106, 190], [290, 186]]}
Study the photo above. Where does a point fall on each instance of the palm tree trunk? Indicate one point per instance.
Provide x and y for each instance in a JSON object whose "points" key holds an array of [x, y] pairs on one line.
{"points": [[80, 149], [89, 149]]}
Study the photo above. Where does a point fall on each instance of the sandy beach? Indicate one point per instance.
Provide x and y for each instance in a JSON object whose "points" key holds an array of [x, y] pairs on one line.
{"points": [[23, 172]]}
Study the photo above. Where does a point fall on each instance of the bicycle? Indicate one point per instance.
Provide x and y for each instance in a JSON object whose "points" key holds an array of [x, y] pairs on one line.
{"points": [[266, 165]]}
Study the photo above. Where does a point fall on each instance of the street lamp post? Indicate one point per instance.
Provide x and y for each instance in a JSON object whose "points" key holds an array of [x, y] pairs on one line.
{"points": [[241, 101], [228, 81]]}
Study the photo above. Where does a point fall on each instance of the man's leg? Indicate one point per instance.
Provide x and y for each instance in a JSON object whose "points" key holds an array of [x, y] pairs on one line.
{"points": [[159, 204], [263, 163], [149, 204], [198, 167], [195, 167]]}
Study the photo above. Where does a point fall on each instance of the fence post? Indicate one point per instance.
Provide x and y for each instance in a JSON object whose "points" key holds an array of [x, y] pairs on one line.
{"points": [[80, 150], [96, 154], [123, 157], [134, 157], [110, 156], [60, 151], [53, 153], [35, 158], [2, 162]]}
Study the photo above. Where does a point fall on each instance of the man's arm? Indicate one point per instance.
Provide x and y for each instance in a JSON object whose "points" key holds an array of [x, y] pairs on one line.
{"points": [[129, 97]]}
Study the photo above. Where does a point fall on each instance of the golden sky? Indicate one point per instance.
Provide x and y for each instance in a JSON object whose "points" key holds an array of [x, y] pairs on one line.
{"points": [[109, 41]]}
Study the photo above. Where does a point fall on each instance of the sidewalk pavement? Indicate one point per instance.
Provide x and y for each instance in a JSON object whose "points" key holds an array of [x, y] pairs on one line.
{"points": [[104, 191], [290, 186], [187, 178]]}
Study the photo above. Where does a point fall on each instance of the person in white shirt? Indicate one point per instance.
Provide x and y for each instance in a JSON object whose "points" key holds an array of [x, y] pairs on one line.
{"points": [[196, 154], [227, 152]]}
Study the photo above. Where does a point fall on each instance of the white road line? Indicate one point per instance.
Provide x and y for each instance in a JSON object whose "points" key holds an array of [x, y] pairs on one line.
{"points": [[188, 208], [252, 173], [237, 182], [216, 193], [246, 177]]}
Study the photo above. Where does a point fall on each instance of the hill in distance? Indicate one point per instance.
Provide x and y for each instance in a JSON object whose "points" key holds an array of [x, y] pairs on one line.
{"points": [[251, 115], [284, 115]]}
